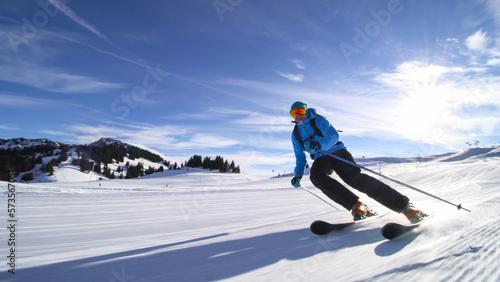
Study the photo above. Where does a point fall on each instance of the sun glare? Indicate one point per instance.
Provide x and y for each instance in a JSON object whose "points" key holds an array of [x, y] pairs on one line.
{"points": [[421, 111], [424, 108]]}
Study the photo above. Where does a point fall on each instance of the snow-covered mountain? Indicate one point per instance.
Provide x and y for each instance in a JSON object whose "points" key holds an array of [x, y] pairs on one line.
{"points": [[206, 226], [107, 141], [70, 167], [21, 143]]}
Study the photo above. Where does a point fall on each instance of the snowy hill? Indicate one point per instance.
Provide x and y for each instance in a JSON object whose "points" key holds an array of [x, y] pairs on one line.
{"points": [[73, 163], [474, 154], [208, 226], [42, 160]]}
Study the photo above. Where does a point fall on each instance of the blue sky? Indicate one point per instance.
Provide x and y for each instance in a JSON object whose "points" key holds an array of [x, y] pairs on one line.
{"points": [[399, 78]]}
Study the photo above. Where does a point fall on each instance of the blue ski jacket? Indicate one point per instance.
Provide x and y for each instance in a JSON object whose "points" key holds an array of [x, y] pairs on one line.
{"points": [[329, 141]]}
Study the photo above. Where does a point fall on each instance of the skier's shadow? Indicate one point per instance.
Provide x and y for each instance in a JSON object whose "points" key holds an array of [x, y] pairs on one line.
{"points": [[392, 247], [206, 259], [389, 248]]}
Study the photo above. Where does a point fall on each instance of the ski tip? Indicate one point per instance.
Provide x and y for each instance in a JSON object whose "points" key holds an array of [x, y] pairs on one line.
{"points": [[392, 230], [319, 227]]}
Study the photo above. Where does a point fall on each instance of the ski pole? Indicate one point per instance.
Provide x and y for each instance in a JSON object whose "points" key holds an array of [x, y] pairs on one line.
{"points": [[318, 197], [459, 206]]}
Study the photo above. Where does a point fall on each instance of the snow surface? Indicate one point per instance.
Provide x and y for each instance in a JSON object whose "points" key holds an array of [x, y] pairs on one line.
{"points": [[207, 226]]}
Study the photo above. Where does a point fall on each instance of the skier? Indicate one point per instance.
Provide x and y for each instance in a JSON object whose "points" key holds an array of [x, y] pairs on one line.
{"points": [[314, 134]]}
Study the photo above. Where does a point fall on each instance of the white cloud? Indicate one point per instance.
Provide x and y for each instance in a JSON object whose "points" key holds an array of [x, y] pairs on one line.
{"points": [[493, 62], [413, 73], [299, 64], [293, 77], [478, 41]]}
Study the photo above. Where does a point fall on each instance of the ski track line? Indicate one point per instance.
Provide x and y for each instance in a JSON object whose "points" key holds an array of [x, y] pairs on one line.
{"points": [[474, 256]]}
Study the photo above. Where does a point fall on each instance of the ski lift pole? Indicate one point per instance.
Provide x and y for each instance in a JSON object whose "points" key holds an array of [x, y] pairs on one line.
{"points": [[459, 206], [93, 164], [312, 193]]}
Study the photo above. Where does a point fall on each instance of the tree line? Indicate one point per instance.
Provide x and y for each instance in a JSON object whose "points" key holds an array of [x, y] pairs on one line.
{"points": [[218, 163], [98, 157]]}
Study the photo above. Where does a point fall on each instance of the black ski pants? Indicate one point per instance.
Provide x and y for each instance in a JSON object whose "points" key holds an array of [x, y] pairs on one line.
{"points": [[323, 167]]}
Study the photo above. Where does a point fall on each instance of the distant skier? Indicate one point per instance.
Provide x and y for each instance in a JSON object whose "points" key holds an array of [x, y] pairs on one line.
{"points": [[314, 134]]}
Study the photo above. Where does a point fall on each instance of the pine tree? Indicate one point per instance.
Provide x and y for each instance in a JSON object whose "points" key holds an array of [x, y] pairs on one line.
{"points": [[27, 177], [97, 168], [49, 168], [206, 163], [225, 167]]}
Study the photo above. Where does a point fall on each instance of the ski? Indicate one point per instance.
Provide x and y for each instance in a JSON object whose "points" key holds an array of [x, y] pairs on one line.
{"points": [[320, 227], [393, 230]]}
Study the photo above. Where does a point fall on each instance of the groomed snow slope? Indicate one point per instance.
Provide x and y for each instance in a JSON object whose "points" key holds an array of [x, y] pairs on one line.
{"points": [[209, 226]]}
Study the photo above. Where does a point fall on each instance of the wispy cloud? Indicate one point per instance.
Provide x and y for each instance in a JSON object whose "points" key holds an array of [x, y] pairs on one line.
{"points": [[27, 103], [56, 133], [10, 100], [7, 127], [22, 101], [72, 15], [74, 39], [299, 64], [165, 137], [293, 77], [88, 26], [494, 10], [51, 79]]}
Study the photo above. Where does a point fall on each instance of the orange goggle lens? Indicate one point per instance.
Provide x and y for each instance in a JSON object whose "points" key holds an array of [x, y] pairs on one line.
{"points": [[298, 111]]}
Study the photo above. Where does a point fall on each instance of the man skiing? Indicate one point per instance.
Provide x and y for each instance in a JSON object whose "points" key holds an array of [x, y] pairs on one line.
{"points": [[315, 135]]}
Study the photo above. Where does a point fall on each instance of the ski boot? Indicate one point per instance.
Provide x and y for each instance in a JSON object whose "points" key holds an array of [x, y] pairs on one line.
{"points": [[413, 215], [361, 211]]}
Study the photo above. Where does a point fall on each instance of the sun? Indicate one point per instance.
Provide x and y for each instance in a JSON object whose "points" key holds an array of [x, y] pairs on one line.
{"points": [[420, 112]]}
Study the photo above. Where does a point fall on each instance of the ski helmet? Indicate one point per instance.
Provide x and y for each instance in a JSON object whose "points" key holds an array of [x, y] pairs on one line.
{"points": [[297, 105]]}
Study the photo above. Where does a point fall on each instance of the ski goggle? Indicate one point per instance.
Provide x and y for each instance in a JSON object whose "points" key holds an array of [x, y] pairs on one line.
{"points": [[298, 111]]}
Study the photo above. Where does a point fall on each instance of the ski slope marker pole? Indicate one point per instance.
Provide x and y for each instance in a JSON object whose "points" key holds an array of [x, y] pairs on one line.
{"points": [[459, 206], [311, 192]]}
